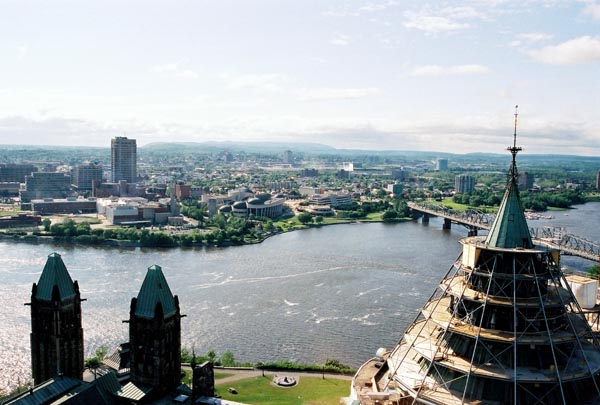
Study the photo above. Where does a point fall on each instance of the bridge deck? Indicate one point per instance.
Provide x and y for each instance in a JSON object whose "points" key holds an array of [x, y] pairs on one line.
{"points": [[553, 238]]}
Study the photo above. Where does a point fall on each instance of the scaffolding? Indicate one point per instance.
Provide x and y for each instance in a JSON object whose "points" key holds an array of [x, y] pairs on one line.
{"points": [[502, 327]]}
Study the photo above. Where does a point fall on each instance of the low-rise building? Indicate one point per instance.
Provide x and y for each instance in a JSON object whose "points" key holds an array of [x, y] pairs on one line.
{"points": [[309, 172], [9, 188], [308, 191], [20, 220], [119, 189], [40, 185], [260, 207], [125, 211], [15, 172], [70, 205], [186, 191], [85, 174], [323, 210], [333, 199], [120, 213]]}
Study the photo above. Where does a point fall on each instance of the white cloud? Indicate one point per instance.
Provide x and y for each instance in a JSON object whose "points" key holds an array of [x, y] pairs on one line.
{"points": [[592, 9], [340, 40], [336, 94], [584, 49], [270, 83], [530, 38], [431, 23], [22, 52], [167, 67], [446, 19], [173, 70], [428, 132], [437, 70], [374, 6], [535, 36], [461, 13], [341, 12]]}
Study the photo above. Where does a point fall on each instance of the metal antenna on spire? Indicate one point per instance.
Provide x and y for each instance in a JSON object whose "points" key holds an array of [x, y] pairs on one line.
{"points": [[515, 136], [515, 149], [513, 174]]}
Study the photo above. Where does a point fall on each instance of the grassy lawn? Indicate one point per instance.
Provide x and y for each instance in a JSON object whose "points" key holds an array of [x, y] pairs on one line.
{"points": [[8, 213], [289, 224], [373, 216], [334, 220], [188, 376], [447, 202], [260, 391], [451, 204]]}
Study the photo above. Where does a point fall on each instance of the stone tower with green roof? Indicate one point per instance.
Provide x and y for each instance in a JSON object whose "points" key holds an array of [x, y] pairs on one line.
{"points": [[155, 334], [56, 332]]}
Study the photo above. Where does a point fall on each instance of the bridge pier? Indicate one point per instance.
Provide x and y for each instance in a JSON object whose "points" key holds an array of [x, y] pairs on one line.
{"points": [[425, 218], [447, 224], [472, 232]]}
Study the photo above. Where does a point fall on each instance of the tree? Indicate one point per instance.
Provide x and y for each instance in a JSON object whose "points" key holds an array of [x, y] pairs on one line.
{"points": [[227, 359], [83, 228], [389, 215], [319, 219], [305, 218], [193, 360], [57, 229], [211, 355], [46, 222], [101, 352], [94, 362], [70, 227]]}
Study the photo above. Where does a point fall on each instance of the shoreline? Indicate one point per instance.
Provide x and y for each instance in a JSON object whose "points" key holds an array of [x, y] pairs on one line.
{"points": [[114, 243]]}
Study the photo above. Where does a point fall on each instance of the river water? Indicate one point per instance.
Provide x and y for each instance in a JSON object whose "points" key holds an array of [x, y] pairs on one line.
{"points": [[331, 292]]}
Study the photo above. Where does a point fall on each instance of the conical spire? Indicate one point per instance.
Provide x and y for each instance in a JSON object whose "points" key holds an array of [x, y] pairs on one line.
{"points": [[154, 291], [510, 229], [55, 274]]}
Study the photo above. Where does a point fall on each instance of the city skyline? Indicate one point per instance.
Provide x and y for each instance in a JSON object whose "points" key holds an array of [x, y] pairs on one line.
{"points": [[401, 75]]}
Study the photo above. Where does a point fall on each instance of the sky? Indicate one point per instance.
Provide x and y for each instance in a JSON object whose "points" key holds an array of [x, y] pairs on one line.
{"points": [[376, 74]]}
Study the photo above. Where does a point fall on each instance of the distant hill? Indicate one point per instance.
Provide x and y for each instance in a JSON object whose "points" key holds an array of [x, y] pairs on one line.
{"points": [[279, 147], [250, 147]]}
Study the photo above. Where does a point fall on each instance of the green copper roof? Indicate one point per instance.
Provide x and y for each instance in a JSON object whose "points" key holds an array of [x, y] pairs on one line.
{"points": [[510, 229], [54, 274], [155, 290]]}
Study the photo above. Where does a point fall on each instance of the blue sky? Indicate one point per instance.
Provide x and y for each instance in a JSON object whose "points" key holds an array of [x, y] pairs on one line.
{"points": [[391, 74]]}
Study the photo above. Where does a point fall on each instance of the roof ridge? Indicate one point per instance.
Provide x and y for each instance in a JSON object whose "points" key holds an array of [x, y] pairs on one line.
{"points": [[155, 290], [55, 274]]}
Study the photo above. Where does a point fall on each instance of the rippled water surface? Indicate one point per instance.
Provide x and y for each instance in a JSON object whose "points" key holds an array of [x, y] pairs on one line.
{"points": [[333, 292]]}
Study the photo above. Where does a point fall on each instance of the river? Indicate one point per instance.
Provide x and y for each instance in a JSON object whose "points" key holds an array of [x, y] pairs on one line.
{"points": [[331, 292]]}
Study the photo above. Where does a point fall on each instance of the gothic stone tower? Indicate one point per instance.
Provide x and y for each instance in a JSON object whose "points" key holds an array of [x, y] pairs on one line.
{"points": [[155, 334], [56, 332]]}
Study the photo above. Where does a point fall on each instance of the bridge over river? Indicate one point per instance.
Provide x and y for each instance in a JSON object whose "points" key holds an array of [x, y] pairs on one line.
{"points": [[553, 237]]}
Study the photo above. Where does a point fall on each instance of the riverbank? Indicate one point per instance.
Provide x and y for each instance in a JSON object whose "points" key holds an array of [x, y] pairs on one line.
{"points": [[337, 292], [168, 240]]}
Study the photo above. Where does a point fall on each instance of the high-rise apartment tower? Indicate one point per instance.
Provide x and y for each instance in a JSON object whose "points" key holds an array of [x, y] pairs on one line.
{"points": [[123, 153]]}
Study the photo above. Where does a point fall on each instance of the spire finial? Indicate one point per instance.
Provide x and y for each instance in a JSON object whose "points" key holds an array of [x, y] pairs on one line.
{"points": [[515, 149], [516, 116]]}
